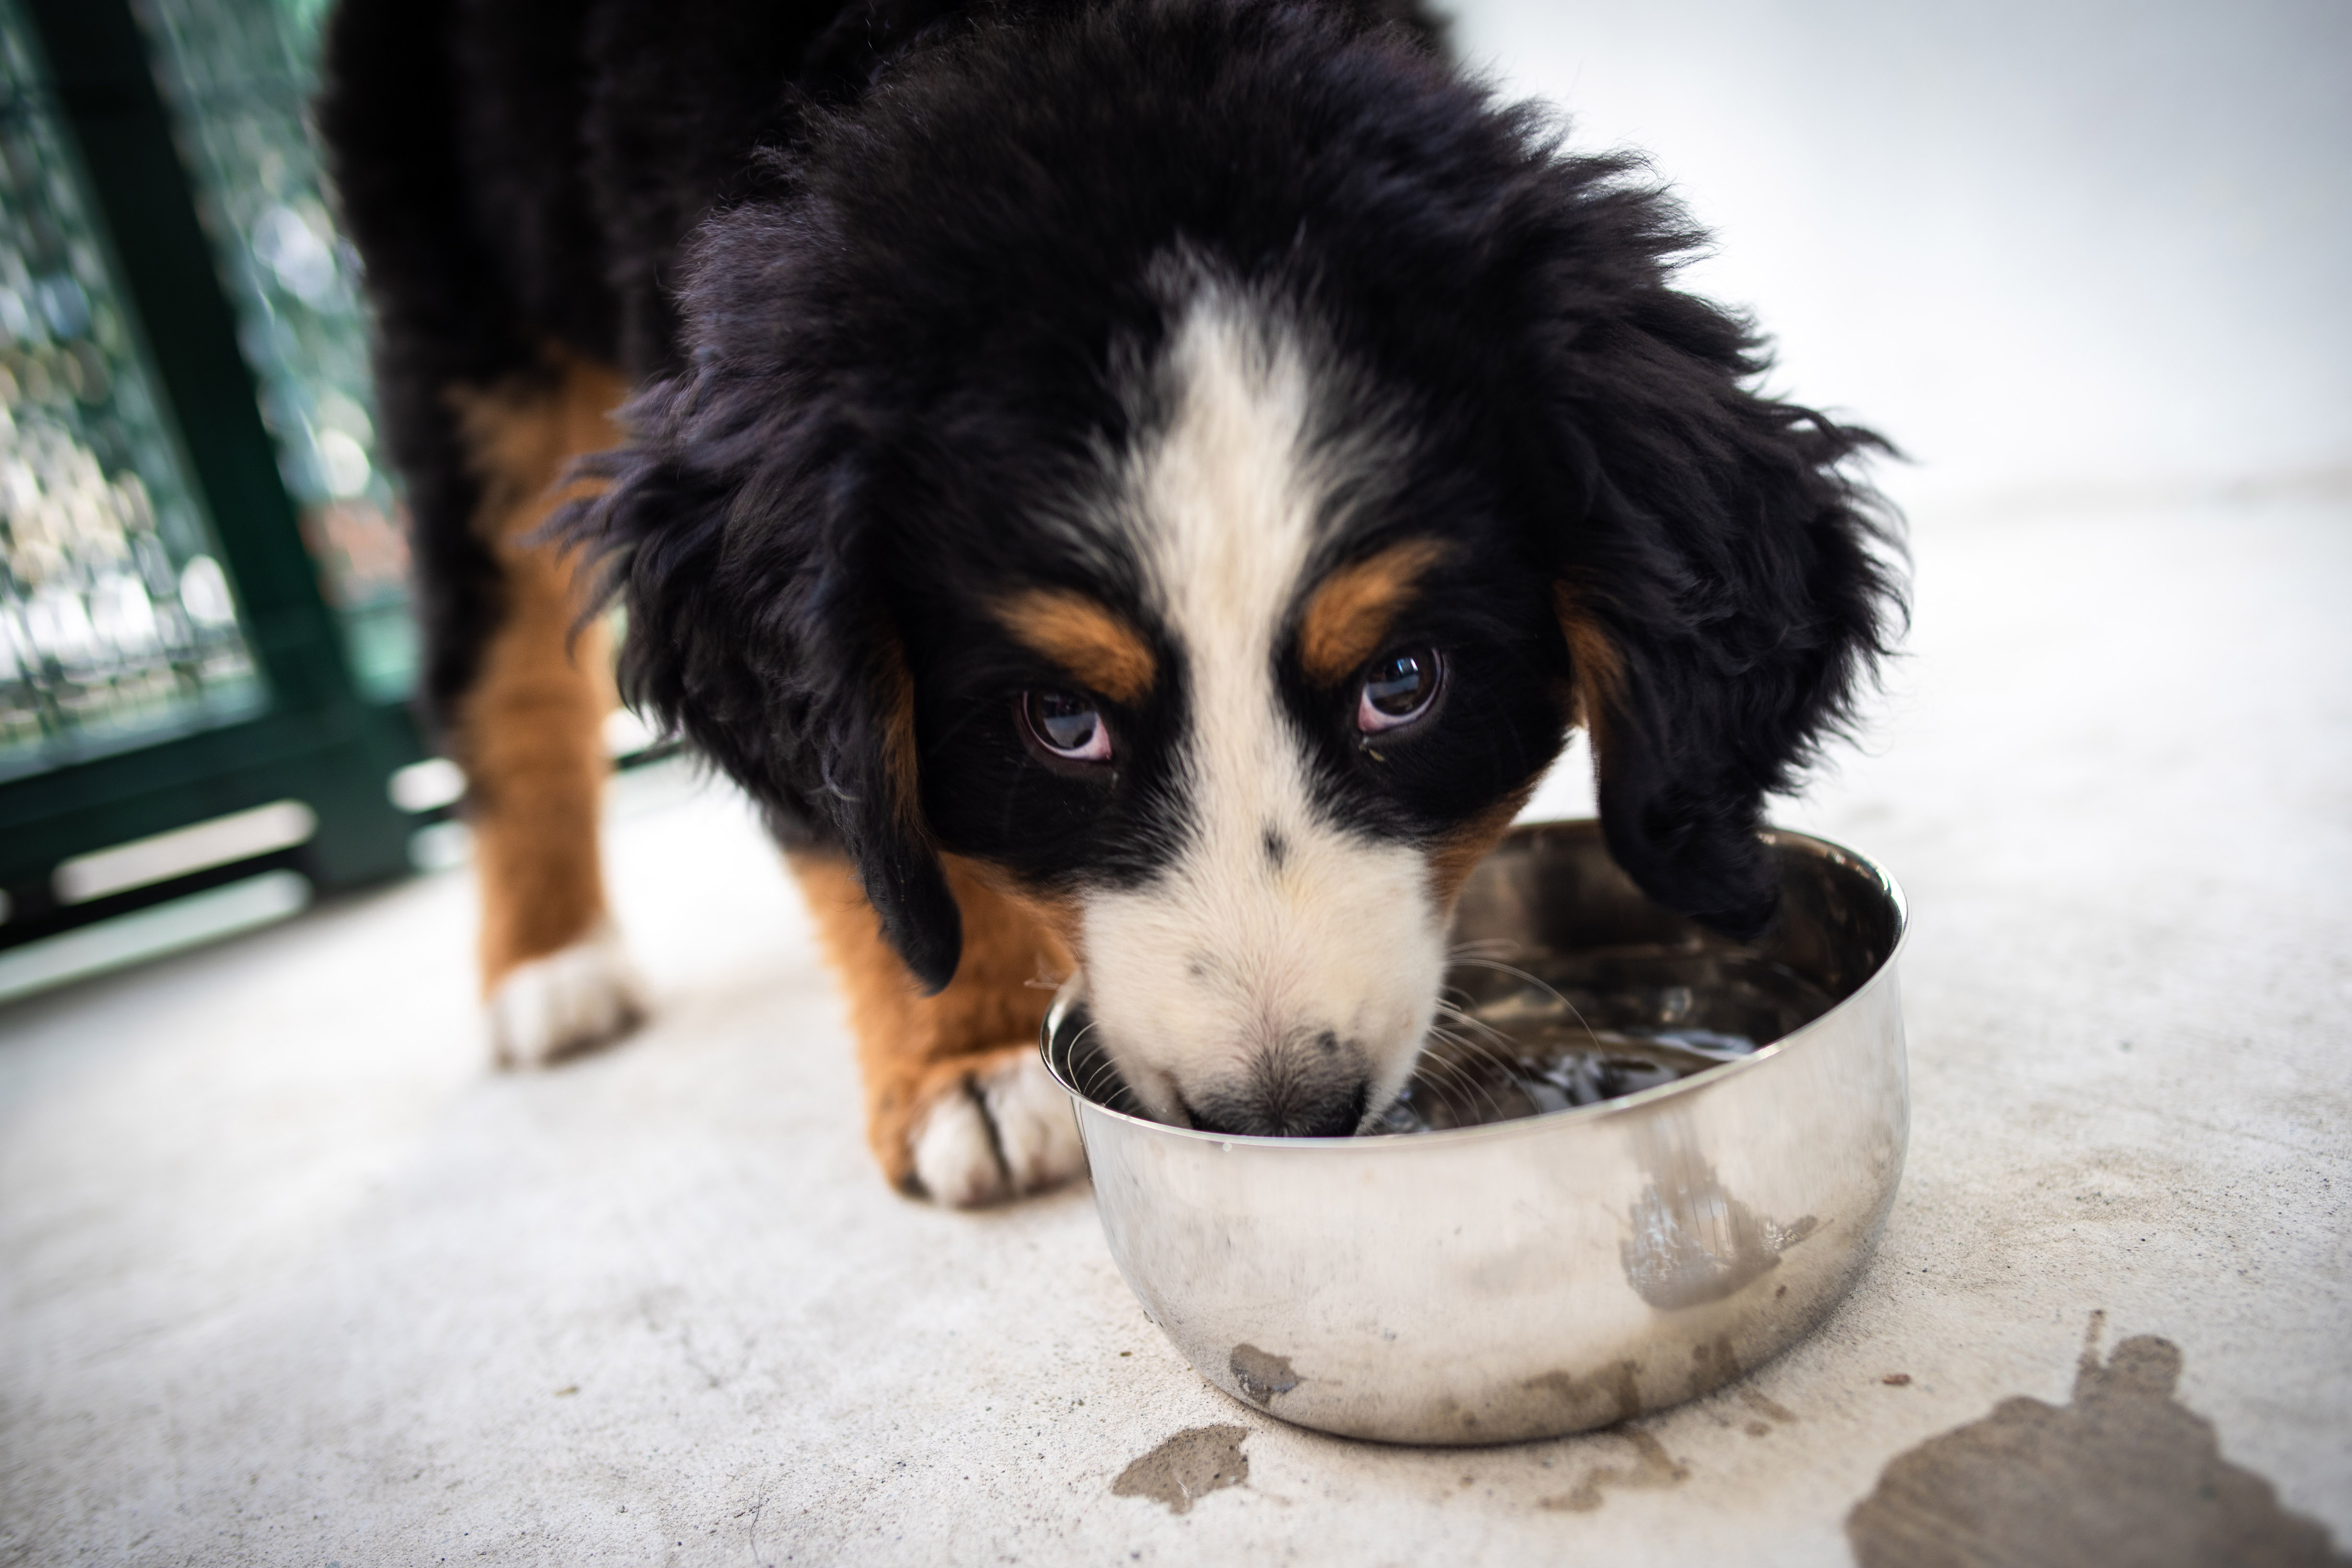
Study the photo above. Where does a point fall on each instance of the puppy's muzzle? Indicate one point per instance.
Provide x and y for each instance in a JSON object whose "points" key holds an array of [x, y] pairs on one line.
{"points": [[1309, 1084]]}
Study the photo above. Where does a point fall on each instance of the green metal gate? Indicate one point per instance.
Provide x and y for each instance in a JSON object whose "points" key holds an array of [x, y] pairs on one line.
{"points": [[205, 650]]}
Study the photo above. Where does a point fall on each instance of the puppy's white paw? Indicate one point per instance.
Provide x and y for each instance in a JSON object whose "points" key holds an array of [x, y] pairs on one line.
{"points": [[955, 1158], [1037, 1130], [1001, 1133], [573, 1000]]}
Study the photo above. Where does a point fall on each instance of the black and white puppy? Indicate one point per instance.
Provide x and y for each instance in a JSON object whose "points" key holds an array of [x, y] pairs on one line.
{"points": [[1148, 485]]}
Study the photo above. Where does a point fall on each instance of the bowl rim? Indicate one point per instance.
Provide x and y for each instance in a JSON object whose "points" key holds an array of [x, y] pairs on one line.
{"points": [[1073, 990]]}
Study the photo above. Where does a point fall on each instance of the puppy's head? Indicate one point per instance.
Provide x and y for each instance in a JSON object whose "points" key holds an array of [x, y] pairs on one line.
{"points": [[1196, 461]]}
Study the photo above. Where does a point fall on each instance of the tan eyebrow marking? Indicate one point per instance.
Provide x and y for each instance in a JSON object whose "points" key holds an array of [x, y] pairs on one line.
{"points": [[1350, 610], [1083, 636], [1457, 854]]}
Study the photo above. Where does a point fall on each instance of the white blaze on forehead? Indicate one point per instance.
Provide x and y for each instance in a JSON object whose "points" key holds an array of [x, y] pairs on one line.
{"points": [[1228, 507], [1242, 944]]}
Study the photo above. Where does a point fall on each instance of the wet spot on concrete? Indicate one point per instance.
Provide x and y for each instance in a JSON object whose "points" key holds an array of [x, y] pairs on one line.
{"points": [[1652, 1468], [1187, 1468], [1261, 1374], [2124, 1474], [1600, 1398], [1713, 1365]]}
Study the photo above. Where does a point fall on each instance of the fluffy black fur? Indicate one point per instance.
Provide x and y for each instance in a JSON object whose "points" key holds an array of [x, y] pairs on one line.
{"points": [[938, 242], [521, 175]]}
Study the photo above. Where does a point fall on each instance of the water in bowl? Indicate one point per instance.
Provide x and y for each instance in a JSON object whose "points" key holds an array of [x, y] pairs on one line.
{"points": [[1521, 1038]]}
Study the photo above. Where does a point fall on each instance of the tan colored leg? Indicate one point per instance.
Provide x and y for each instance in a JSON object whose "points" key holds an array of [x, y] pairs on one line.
{"points": [[957, 1103], [529, 733]]}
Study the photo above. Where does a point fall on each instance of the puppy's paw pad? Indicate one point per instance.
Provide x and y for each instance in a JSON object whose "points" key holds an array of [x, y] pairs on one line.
{"points": [[1004, 1132], [573, 1000]]}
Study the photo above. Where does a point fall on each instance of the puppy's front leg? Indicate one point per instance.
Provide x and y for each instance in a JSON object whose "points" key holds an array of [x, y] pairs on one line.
{"points": [[958, 1106], [555, 978]]}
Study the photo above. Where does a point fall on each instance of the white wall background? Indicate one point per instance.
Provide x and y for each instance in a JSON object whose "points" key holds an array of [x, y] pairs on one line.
{"points": [[2056, 251]]}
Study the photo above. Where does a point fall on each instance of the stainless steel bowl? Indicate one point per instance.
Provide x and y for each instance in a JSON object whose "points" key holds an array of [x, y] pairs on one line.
{"points": [[1529, 1278]]}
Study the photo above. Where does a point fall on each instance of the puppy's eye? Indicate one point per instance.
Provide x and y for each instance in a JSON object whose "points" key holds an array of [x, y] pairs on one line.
{"points": [[1398, 688], [1066, 723]]}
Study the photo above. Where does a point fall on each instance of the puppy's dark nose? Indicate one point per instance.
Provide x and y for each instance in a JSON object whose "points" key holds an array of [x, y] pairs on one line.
{"points": [[1313, 1087]]}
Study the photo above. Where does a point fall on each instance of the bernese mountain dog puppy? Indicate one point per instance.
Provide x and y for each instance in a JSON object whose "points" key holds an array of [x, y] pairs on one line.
{"points": [[1139, 484]]}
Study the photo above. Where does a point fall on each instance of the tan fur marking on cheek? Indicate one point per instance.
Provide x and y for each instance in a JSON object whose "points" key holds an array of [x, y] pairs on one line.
{"points": [[1352, 609], [912, 1048], [1599, 669], [529, 733], [1457, 853], [1084, 637], [1060, 920]]}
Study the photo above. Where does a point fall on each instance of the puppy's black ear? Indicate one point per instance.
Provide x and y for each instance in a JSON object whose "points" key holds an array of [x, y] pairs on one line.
{"points": [[729, 528], [1725, 592], [871, 762]]}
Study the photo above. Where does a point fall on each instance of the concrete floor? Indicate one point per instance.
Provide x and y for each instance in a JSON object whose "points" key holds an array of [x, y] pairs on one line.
{"points": [[291, 1278], [287, 1275]]}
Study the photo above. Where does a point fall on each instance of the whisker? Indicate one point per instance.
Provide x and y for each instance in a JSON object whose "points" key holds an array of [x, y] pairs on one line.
{"points": [[1099, 1068], [1542, 986], [1464, 1085], [1092, 1085], [1483, 1085], [1485, 947], [1096, 1072], [1472, 1101], [1102, 1081], [1512, 969], [1455, 1013], [1488, 1042]]}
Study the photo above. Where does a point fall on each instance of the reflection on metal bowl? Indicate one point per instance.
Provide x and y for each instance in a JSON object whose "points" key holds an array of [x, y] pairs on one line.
{"points": [[1504, 1270]]}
